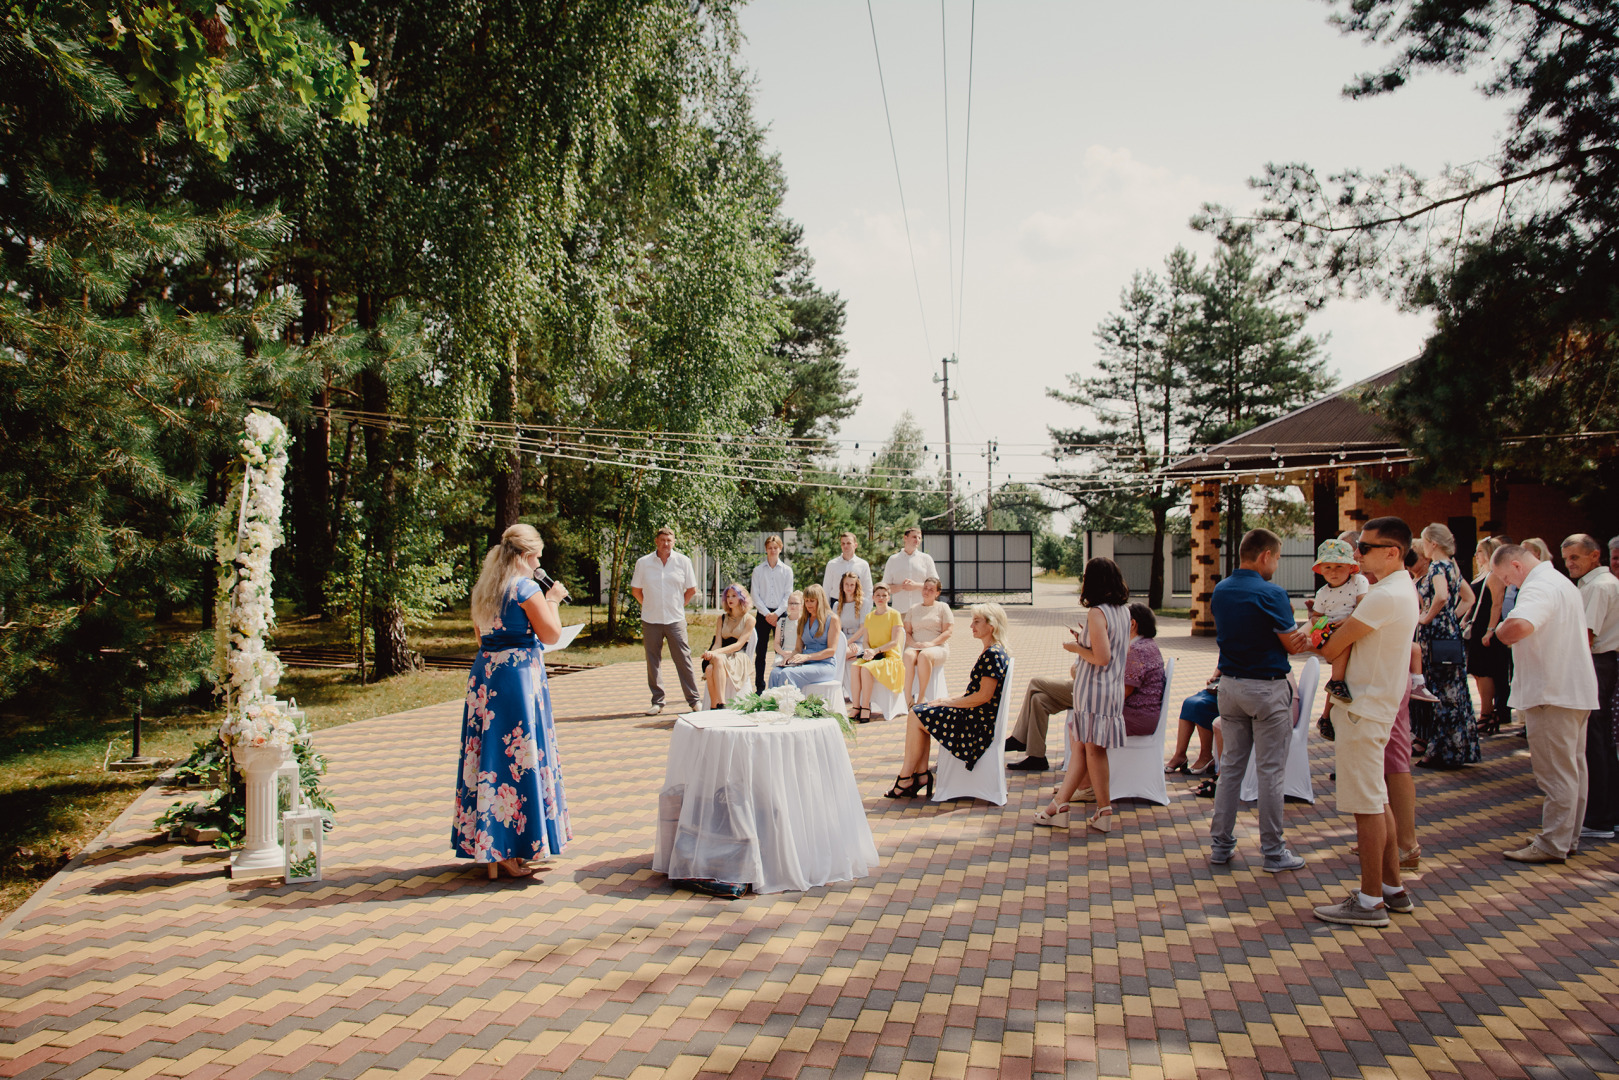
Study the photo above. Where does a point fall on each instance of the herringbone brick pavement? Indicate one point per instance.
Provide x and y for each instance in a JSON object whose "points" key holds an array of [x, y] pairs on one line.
{"points": [[980, 947]]}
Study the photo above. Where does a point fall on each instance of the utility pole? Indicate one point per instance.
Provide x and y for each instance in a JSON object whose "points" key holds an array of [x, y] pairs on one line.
{"points": [[949, 472], [990, 458]]}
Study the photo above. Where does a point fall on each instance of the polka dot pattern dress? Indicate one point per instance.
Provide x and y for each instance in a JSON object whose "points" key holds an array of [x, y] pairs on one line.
{"points": [[967, 733]]}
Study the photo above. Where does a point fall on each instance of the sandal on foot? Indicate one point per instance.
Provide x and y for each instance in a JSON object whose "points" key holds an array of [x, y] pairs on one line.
{"points": [[1179, 768], [1101, 821], [1058, 820], [516, 868]]}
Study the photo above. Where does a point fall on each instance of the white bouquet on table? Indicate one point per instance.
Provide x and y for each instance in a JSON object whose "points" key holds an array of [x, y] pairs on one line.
{"points": [[259, 724], [786, 698]]}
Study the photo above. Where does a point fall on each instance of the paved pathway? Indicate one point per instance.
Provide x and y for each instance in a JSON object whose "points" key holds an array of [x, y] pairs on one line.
{"points": [[980, 948]]}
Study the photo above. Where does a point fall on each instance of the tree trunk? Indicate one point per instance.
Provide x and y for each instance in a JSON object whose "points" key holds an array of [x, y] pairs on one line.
{"points": [[312, 531], [1155, 586], [387, 615], [509, 479]]}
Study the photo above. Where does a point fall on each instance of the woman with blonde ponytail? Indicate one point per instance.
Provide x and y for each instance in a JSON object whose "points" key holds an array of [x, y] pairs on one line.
{"points": [[509, 805]]}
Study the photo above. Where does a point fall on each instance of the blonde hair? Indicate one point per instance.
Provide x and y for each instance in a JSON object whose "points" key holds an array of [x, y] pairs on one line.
{"points": [[823, 612], [500, 571], [995, 615], [1488, 546], [1538, 546], [859, 593], [1440, 537]]}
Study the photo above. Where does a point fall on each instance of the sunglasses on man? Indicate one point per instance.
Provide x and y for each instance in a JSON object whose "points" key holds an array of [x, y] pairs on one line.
{"points": [[1366, 549]]}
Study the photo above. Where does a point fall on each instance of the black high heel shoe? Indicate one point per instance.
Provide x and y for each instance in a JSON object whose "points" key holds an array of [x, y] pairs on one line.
{"points": [[898, 791], [927, 784]]}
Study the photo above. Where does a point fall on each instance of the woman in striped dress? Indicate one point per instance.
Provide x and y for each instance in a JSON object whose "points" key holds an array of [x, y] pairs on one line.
{"points": [[1097, 719]]}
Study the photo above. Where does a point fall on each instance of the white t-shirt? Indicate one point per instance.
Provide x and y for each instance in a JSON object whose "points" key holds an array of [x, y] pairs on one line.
{"points": [[1337, 602], [1380, 663], [1599, 589], [918, 567], [663, 587], [1553, 665]]}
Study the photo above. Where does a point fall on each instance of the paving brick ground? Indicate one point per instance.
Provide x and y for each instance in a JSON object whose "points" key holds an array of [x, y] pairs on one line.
{"points": [[980, 948]]}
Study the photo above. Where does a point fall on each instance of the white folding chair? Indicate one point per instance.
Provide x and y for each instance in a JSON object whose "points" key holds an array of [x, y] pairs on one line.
{"points": [[1136, 769], [1296, 779], [987, 778], [831, 691], [749, 650]]}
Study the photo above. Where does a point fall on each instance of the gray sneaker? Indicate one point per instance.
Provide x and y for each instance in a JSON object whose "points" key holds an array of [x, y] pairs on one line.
{"points": [[1400, 903], [1282, 863], [1589, 833], [654, 710], [1220, 857], [1350, 913]]}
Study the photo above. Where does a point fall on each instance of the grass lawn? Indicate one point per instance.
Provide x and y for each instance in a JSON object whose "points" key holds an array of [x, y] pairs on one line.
{"points": [[55, 795]]}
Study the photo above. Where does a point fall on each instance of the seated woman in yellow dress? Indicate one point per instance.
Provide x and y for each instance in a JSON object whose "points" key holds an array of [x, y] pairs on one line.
{"points": [[879, 661]]}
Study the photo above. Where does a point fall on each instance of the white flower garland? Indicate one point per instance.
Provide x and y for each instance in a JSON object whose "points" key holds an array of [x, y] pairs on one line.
{"points": [[245, 671]]}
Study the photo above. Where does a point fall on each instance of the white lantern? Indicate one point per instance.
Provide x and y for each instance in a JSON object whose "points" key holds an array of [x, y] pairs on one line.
{"points": [[302, 835], [289, 791]]}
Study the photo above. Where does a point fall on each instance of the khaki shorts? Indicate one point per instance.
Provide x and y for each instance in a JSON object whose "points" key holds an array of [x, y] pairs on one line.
{"points": [[1359, 749]]}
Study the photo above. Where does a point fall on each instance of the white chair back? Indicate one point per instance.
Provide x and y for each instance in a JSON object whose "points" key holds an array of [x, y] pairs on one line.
{"points": [[1136, 769], [1296, 778], [987, 778]]}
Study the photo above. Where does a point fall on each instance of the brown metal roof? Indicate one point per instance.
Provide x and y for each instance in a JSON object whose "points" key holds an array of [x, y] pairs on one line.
{"points": [[1333, 427]]}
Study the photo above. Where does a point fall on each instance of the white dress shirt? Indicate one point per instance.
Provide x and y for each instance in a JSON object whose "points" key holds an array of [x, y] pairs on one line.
{"points": [[918, 567], [1600, 591], [1553, 665], [663, 587], [834, 577], [771, 586]]}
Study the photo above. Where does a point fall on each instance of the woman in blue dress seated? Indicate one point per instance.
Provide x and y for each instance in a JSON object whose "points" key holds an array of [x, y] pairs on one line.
{"points": [[817, 635], [965, 726], [509, 805]]}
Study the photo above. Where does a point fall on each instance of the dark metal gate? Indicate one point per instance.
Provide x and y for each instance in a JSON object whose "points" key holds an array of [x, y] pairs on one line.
{"points": [[979, 566]]}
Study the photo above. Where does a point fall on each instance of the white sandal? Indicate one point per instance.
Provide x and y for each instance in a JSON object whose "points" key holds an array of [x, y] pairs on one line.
{"points": [[1059, 820]]}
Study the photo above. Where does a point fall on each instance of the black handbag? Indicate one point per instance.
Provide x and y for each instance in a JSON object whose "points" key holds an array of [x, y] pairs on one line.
{"points": [[1448, 653]]}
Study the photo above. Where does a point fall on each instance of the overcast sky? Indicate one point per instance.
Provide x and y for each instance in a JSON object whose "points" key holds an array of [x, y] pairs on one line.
{"points": [[1097, 131]]}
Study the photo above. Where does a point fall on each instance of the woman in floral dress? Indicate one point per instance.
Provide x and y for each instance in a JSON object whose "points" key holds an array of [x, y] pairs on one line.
{"points": [[1445, 598], [509, 805]]}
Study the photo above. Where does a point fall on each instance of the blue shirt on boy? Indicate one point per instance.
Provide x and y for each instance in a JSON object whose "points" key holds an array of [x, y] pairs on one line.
{"points": [[1248, 614]]}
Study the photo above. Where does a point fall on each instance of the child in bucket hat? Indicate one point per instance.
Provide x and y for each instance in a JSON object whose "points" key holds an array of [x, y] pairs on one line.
{"points": [[1334, 602]]}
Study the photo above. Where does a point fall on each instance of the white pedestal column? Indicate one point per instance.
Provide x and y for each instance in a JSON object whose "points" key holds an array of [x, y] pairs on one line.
{"points": [[261, 852]]}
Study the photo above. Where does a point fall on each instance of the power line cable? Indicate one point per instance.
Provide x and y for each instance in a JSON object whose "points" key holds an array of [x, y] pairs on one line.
{"points": [[966, 174], [916, 277], [949, 196]]}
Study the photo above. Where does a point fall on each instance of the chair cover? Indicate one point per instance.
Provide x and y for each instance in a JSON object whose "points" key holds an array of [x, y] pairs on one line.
{"points": [[1136, 769], [1296, 778], [987, 778], [703, 704], [890, 704]]}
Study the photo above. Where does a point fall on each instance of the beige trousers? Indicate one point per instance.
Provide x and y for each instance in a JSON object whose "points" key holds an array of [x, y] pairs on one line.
{"points": [[1047, 694], [1557, 753]]}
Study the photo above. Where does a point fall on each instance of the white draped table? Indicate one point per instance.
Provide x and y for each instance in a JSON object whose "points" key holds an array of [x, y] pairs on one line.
{"points": [[773, 805]]}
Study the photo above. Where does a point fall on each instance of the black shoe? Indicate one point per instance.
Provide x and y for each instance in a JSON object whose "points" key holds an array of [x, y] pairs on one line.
{"points": [[1015, 745], [1032, 763]]}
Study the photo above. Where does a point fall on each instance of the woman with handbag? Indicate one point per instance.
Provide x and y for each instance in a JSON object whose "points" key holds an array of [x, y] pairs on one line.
{"points": [[1446, 598]]}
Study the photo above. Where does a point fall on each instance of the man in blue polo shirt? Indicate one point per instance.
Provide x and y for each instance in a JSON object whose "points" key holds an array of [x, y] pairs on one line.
{"points": [[1256, 631]]}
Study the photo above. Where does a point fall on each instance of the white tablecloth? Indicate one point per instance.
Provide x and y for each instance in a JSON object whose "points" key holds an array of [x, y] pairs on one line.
{"points": [[772, 805]]}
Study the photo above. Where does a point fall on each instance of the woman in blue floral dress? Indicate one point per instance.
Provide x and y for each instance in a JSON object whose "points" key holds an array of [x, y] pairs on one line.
{"points": [[509, 805], [1445, 596]]}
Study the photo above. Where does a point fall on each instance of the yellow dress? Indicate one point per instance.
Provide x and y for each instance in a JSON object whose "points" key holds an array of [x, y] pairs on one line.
{"points": [[887, 669]]}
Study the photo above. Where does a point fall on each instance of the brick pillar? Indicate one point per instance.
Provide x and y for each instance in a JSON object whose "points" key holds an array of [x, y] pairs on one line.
{"points": [[1351, 511], [1205, 555]]}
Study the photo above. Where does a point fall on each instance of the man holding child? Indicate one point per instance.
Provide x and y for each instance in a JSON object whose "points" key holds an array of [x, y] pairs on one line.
{"points": [[1377, 642]]}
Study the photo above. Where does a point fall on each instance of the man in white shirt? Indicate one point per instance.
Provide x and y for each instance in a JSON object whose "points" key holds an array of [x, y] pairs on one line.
{"points": [[663, 584], [1599, 590], [847, 563], [1378, 637], [1554, 684], [772, 585], [906, 571]]}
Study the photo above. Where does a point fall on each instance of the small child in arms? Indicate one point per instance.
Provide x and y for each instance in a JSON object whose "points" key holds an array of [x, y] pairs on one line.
{"points": [[1333, 603]]}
